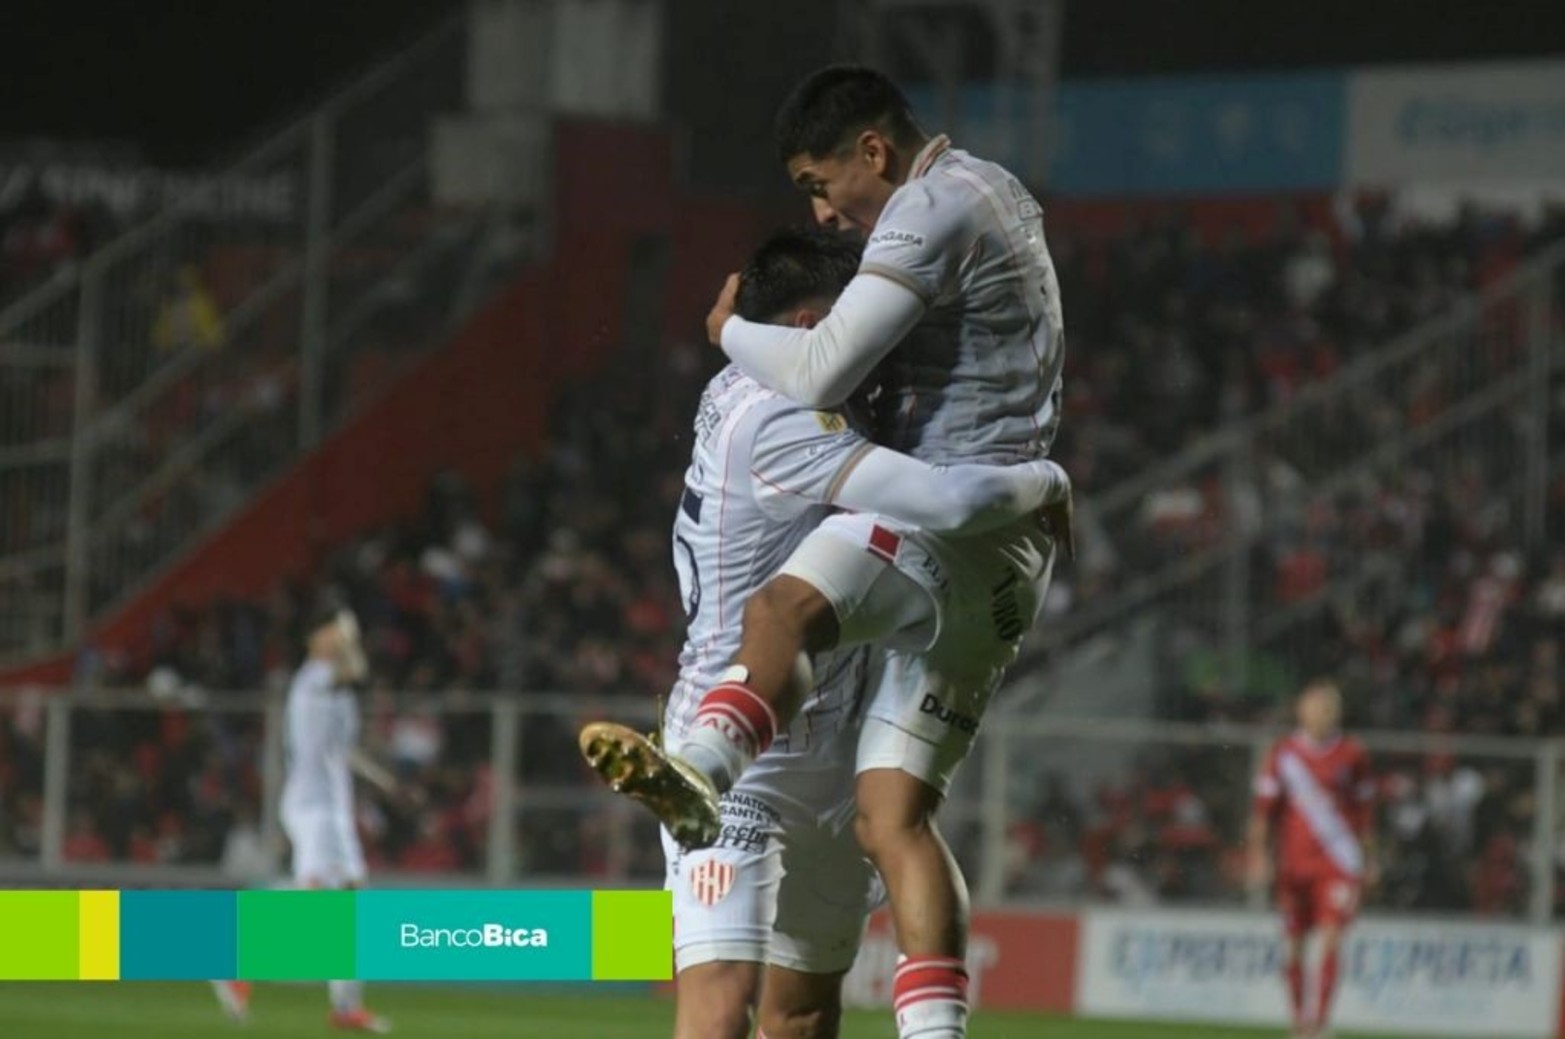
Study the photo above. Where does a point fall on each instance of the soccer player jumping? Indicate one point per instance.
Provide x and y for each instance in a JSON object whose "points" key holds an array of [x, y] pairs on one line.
{"points": [[1314, 799], [784, 892], [957, 303]]}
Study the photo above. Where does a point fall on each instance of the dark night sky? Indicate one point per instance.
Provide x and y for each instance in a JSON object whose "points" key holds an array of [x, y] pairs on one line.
{"points": [[189, 80]]}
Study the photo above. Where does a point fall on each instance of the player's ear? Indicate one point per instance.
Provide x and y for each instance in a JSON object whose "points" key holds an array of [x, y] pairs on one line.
{"points": [[874, 150], [804, 317]]}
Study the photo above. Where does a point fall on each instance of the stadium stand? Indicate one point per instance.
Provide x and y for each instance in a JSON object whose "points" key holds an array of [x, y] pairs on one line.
{"points": [[565, 590]]}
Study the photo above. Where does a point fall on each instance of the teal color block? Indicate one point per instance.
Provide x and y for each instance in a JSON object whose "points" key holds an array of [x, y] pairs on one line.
{"points": [[474, 935], [178, 935]]}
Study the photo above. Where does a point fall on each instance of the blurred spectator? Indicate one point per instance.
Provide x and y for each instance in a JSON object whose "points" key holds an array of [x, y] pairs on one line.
{"points": [[188, 317]]}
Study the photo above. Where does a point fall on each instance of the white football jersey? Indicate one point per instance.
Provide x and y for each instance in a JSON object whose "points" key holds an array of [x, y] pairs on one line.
{"points": [[978, 379], [759, 471], [321, 729]]}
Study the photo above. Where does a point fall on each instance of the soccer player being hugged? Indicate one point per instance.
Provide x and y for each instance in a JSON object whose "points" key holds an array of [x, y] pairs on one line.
{"points": [[1311, 833], [321, 733]]}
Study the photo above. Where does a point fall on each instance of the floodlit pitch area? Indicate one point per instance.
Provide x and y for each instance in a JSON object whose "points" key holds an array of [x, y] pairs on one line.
{"points": [[128, 1010]]}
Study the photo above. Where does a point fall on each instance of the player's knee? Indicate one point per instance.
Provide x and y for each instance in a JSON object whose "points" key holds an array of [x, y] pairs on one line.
{"points": [[715, 1001], [895, 815], [884, 833], [814, 1021], [789, 604]]}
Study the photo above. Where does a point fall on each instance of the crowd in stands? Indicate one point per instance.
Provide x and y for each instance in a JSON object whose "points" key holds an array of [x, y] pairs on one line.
{"points": [[197, 348], [565, 586]]}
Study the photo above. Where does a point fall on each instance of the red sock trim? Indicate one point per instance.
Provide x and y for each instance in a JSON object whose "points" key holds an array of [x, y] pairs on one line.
{"points": [[737, 708], [923, 978]]}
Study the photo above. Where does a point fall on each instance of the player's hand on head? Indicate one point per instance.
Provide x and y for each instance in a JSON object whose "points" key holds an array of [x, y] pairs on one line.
{"points": [[722, 310]]}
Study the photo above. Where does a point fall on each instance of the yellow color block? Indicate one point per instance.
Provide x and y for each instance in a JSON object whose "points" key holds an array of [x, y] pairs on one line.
{"points": [[98, 948]]}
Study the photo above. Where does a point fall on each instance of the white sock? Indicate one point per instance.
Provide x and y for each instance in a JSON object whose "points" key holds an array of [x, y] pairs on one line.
{"points": [[933, 1019], [716, 757], [346, 996], [733, 726]]}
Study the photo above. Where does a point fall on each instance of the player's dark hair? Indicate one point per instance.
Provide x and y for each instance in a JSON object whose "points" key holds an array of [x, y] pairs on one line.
{"points": [[1321, 682], [793, 267], [324, 609], [837, 103]]}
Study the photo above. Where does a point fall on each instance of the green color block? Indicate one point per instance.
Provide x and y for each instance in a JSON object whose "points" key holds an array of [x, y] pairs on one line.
{"points": [[296, 935], [632, 935], [39, 935]]}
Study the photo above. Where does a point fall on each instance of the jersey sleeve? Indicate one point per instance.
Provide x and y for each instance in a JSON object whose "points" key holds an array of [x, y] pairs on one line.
{"points": [[1267, 791], [920, 241], [799, 458], [959, 500], [820, 367]]}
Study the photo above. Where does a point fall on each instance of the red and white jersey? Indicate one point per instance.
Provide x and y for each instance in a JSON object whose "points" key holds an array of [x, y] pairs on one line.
{"points": [[1319, 797]]}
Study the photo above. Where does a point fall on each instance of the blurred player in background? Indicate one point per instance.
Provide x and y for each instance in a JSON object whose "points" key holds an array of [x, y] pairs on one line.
{"points": [[957, 302], [785, 883], [1311, 832], [321, 754]]}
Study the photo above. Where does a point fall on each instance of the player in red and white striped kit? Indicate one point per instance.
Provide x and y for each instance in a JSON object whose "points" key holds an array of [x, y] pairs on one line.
{"points": [[1311, 831]]}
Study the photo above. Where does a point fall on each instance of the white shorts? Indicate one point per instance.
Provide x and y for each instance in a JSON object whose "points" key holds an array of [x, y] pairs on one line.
{"points": [[326, 851], [786, 883], [951, 614]]}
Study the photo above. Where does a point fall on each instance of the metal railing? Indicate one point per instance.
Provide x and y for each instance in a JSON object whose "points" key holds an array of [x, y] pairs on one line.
{"points": [[190, 360], [122, 788], [1468, 391]]}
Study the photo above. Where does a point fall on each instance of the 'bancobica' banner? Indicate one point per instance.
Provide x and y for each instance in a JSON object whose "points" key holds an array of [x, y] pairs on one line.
{"points": [[1456, 979]]}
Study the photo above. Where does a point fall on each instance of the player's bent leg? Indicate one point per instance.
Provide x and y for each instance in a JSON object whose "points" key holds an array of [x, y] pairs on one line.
{"points": [[800, 1005], [714, 1000], [840, 588], [786, 621], [832, 590]]}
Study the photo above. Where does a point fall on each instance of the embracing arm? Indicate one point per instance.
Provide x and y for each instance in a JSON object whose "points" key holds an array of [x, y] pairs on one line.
{"points": [[959, 499], [821, 366]]}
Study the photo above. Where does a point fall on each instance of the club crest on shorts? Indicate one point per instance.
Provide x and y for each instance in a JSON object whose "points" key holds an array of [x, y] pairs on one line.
{"points": [[711, 881]]}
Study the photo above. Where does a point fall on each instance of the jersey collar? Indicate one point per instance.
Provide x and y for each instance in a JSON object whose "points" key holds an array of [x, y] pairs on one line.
{"points": [[927, 155]]}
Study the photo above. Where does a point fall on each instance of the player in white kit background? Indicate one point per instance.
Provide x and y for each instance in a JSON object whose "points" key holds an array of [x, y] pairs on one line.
{"points": [[784, 884], [321, 756], [957, 303]]}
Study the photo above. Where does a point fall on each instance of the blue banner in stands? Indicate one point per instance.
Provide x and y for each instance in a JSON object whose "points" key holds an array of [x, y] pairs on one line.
{"points": [[1212, 135]]}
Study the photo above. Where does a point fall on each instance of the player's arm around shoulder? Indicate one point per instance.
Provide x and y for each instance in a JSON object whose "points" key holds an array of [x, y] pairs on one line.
{"points": [[801, 457]]}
